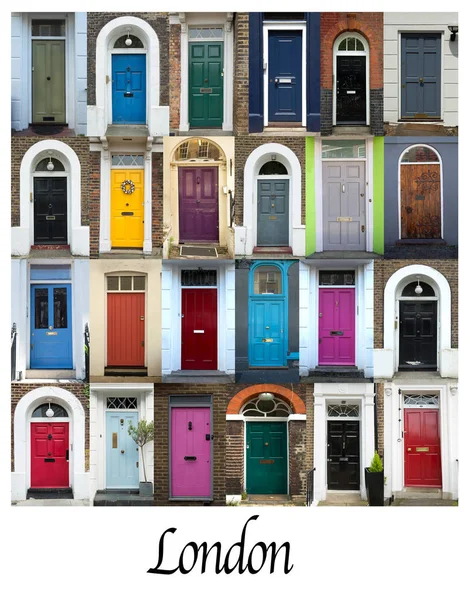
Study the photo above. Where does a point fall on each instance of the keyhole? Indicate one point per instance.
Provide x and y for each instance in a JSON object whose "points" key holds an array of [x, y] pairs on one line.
{"points": [[127, 203], [190, 425]]}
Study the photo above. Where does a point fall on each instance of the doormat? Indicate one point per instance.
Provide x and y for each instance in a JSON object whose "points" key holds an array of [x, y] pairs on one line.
{"points": [[198, 251], [47, 129]]}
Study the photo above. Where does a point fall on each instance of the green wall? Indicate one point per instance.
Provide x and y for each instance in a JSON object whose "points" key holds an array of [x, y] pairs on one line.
{"points": [[310, 196], [378, 197]]}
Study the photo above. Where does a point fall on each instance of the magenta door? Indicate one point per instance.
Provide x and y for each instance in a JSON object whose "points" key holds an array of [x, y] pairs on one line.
{"points": [[191, 452], [336, 327], [198, 204]]}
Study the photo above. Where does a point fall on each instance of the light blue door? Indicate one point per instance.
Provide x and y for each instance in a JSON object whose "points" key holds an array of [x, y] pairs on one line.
{"points": [[129, 89], [122, 456], [51, 327]]}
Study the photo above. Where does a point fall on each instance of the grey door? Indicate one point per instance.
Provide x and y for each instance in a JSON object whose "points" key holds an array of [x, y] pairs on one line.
{"points": [[344, 206], [273, 212], [421, 75]]}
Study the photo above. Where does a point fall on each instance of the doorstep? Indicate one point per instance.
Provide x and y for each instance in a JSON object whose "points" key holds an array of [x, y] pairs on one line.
{"points": [[334, 374], [121, 498], [49, 494], [50, 374], [417, 493], [198, 377], [343, 499], [269, 500]]}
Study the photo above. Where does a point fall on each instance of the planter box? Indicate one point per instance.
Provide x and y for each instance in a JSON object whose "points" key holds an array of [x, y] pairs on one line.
{"points": [[146, 488], [374, 487]]}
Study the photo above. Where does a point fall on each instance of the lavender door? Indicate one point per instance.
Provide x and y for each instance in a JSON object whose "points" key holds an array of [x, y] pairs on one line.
{"points": [[336, 327], [191, 452], [198, 204]]}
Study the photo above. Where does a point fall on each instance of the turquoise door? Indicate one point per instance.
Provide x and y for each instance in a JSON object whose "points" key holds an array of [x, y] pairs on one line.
{"points": [[266, 457], [206, 84], [122, 453]]}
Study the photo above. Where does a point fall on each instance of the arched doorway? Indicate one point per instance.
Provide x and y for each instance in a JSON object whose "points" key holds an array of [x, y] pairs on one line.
{"points": [[351, 73]]}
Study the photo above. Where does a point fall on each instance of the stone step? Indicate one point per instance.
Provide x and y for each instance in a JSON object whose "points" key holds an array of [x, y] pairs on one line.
{"points": [[121, 498], [343, 499], [269, 500], [416, 493], [50, 374], [49, 493]]}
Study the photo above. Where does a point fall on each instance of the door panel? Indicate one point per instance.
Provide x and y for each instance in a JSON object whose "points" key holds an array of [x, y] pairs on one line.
{"points": [[418, 336], [49, 455], [199, 329], [285, 76], [206, 87], [266, 457], [129, 88], [50, 210], [122, 453], [343, 455], [422, 448], [336, 326], [127, 210], [126, 330], [191, 471], [273, 212], [421, 75], [267, 340], [198, 204], [48, 81], [344, 206], [420, 201], [51, 327], [351, 90]]}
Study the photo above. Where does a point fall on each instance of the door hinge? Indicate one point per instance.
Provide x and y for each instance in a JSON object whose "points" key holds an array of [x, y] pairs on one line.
{"points": [[31, 196]]}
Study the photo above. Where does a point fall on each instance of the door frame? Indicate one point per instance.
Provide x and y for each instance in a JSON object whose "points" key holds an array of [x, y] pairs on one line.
{"points": [[190, 401], [287, 178], [266, 420], [284, 26], [44, 174], [368, 187], [365, 53], [435, 299], [361, 462], [437, 32], [441, 175], [113, 411]]}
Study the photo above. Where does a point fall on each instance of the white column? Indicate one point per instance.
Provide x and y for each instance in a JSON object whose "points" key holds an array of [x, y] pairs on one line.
{"points": [[368, 436], [227, 124], [147, 247], [105, 202], [230, 318], [319, 448], [304, 318], [184, 123]]}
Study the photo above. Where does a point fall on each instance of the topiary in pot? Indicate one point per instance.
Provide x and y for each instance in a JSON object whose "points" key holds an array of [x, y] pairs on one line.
{"points": [[374, 477], [142, 434]]}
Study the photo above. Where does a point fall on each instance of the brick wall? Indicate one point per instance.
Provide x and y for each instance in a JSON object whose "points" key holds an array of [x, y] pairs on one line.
{"points": [[175, 79], [244, 146], [19, 146], [18, 390], [240, 74], [384, 269], [234, 457], [158, 21], [220, 398]]}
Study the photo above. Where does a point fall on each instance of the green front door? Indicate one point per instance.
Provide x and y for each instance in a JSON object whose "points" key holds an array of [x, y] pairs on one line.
{"points": [[266, 457], [48, 81], [206, 84]]}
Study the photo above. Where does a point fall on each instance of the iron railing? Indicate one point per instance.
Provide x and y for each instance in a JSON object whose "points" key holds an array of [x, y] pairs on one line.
{"points": [[13, 352], [310, 487], [87, 353]]}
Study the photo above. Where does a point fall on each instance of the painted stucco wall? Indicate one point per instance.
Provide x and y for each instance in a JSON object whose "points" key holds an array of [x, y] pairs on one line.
{"points": [[378, 197], [310, 217]]}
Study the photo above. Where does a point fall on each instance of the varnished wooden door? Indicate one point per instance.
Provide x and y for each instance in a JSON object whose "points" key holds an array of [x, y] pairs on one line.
{"points": [[420, 193]]}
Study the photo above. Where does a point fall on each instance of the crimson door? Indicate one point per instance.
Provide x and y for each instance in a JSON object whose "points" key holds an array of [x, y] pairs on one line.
{"points": [[198, 204], [422, 448], [199, 329], [126, 330], [336, 327], [49, 455]]}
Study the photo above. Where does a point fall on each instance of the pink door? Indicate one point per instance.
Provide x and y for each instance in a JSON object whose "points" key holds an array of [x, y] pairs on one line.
{"points": [[336, 327], [191, 452]]}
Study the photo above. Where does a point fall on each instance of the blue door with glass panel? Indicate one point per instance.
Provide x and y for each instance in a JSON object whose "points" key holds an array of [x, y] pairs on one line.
{"points": [[285, 76], [51, 327], [122, 456], [129, 88]]}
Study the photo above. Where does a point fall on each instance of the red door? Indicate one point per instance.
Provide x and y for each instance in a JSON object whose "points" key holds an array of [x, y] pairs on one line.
{"points": [[199, 329], [422, 448], [126, 330], [49, 455]]}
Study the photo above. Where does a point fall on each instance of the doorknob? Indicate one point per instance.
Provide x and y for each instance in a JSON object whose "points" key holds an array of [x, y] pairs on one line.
{"points": [[266, 443], [122, 451], [363, 228], [409, 449], [48, 78]]}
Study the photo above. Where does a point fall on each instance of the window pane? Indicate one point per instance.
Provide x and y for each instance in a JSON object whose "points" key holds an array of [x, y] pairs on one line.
{"points": [[267, 280], [121, 42], [139, 283], [42, 165], [342, 45], [113, 283], [198, 33], [47, 28], [419, 154], [273, 167], [337, 277], [126, 283], [344, 149], [41, 307], [127, 160], [197, 149], [359, 45], [59, 411], [279, 16], [351, 44], [60, 308]]}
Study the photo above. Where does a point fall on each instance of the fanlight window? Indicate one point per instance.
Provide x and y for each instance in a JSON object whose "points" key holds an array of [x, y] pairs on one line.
{"points": [[121, 42], [343, 410], [421, 400], [121, 403], [127, 160], [261, 407], [48, 28], [125, 283], [410, 289], [267, 280], [198, 149], [420, 154], [351, 44], [205, 33], [50, 165], [59, 411], [273, 167]]}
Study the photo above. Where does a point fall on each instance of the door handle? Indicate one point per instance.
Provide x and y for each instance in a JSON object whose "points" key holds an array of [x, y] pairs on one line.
{"points": [[363, 228], [122, 451], [420, 80], [343, 188], [48, 78]]}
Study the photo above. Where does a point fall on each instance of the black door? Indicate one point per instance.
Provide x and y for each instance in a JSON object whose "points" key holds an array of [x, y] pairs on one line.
{"points": [[343, 455], [50, 210], [351, 90], [418, 336]]}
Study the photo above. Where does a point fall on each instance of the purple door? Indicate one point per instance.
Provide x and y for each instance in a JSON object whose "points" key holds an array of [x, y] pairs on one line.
{"points": [[198, 204], [336, 327], [191, 452]]}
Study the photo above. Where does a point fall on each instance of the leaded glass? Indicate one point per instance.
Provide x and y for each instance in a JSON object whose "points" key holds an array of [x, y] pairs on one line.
{"points": [[266, 408], [423, 400], [121, 403], [420, 154], [343, 410]]}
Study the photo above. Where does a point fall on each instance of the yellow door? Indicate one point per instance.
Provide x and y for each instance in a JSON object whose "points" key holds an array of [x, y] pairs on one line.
{"points": [[127, 209]]}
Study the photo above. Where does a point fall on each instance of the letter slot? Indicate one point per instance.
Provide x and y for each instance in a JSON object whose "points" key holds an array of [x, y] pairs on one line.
{"points": [[128, 95], [336, 332], [127, 214], [190, 458]]}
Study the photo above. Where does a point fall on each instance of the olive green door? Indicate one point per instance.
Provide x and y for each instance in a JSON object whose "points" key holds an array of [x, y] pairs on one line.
{"points": [[48, 81], [206, 84], [266, 457]]}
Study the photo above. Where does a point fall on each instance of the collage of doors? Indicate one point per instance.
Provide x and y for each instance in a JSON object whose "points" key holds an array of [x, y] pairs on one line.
{"points": [[234, 272]]}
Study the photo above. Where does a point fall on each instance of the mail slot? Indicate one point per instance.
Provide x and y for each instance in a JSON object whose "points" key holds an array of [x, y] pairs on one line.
{"points": [[49, 460], [343, 458], [205, 90], [198, 331], [422, 449], [127, 214], [283, 80], [51, 332], [267, 340], [420, 197], [266, 462], [350, 91], [343, 219], [336, 333], [190, 458], [50, 217], [128, 95], [115, 440], [272, 218]]}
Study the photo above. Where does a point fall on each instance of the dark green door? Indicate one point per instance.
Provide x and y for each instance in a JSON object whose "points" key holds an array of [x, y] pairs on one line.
{"points": [[206, 89], [266, 457], [48, 81]]}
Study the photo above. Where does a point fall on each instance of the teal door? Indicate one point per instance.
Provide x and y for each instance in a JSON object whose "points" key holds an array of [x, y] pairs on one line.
{"points": [[266, 457], [206, 89], [122, 456]]}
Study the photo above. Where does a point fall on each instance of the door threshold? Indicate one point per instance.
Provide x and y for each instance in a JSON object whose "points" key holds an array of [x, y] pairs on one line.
{"points": [[135, 371], [272, 250]]}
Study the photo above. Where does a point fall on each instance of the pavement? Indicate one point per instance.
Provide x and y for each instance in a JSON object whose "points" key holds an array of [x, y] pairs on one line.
{"points": [[424, 502], [51, 502]]}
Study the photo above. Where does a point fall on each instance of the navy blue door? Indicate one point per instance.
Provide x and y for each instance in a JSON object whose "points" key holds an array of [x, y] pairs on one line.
{"points": [[273, 212], [51, 327], [420, 75], [285, 76], [129, 88]]}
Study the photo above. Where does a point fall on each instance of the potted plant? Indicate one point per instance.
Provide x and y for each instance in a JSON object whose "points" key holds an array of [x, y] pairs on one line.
{"points": [[142, 434], [374, 476]]}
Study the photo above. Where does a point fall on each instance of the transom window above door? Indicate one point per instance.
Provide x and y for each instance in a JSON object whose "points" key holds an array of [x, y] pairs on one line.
{"points": [[267, 280], [421, 400], [199, 277], [50, 165], [343, 149], [198, 149], [266, 405], [127, 160], [128, 41], [337, 277], [48, 27], [44, 411], [351, 44], [279, 16], [420, 154], [418, 289], [273, 167], [205, 33], [125, 283], [124, 403], [343, 411]]}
